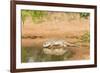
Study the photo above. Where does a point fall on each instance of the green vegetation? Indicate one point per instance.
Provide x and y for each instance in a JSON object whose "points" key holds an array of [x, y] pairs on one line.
{"points": [[24, 14], [37, 16], [84, 15], [85, 37], [24, 54], [31, 52]]}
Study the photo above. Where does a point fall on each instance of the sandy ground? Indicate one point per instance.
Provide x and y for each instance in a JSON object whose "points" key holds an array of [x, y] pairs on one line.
{"points": [[60, 26]]}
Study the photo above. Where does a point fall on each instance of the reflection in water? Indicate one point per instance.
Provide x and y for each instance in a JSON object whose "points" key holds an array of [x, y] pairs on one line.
{"points": [[52, 50], [40, 56]]}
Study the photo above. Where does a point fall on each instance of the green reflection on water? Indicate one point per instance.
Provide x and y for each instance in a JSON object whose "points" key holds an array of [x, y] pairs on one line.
{"points": [[36, 55]]}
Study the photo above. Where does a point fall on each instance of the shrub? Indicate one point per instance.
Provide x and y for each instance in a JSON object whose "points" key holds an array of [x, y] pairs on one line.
{"points": [[85, 37], [37, 16], [84, 15]]}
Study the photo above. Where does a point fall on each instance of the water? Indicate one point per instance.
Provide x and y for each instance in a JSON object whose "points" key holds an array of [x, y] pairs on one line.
{"points": [[37, 55]]}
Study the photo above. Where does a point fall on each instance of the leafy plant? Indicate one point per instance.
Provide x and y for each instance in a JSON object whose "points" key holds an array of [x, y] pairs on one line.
{"points": [[24, 14], [37, 16], [84, 15], [85, 37]]}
